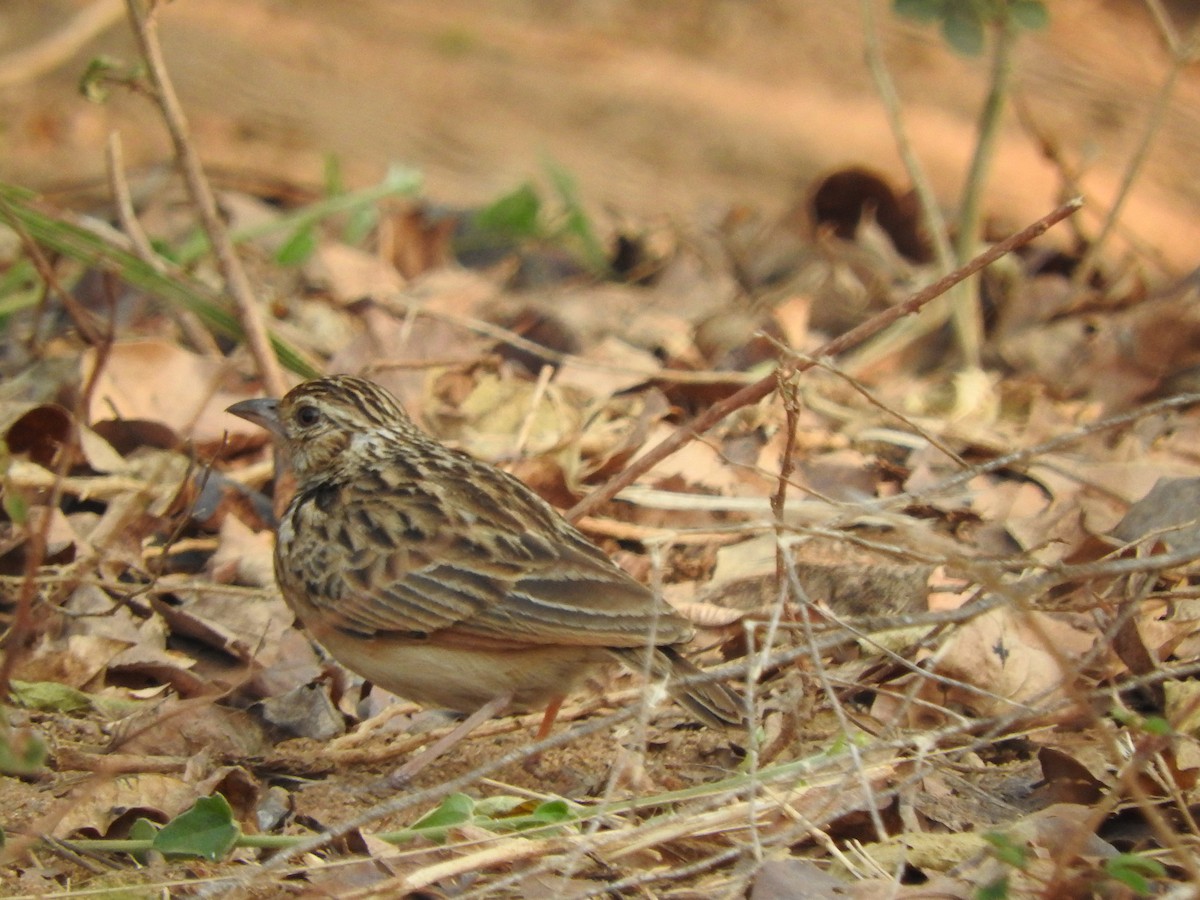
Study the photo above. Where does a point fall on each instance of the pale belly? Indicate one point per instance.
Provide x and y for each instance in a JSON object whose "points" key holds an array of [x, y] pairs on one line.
{"points": [[465, 679]]}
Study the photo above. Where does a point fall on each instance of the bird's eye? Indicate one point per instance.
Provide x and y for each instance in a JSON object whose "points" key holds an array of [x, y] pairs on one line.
{"points": [[308, 416]]}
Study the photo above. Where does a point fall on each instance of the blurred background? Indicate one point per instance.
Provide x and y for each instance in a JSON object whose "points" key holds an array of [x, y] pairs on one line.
{"points": [[657, 108]]}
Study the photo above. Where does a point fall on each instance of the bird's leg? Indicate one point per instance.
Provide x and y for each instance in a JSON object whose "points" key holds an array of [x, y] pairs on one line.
{"points": [[404, 775], [551, 714]]}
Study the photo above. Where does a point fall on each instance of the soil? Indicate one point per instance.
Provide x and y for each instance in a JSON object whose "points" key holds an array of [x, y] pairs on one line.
{"points": [[657, 110]]}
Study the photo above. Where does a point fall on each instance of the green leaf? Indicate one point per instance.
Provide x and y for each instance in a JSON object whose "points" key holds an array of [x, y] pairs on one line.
{"points": [[15, 505], [993, 890], [299, 248], [19, 276], [49, 696], [498, 806], [1031, 14], [577, 222], [359, 224], [1130, 869], [554, 812], [91, 246], [102, 72], [1005, 850], [457, 809], [207, 830], [920, 10], [396, 182], [963, 28], [513, 215], [335, 182], [143, 830], [22, 752], [517, 814], [1157, 726]]}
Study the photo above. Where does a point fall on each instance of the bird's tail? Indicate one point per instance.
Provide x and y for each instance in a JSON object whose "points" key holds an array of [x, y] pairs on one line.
{"points": [[711, 702]]}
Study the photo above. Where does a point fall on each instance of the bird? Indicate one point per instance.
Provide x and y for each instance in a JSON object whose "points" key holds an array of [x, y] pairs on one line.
{"points": [[446, 580]]}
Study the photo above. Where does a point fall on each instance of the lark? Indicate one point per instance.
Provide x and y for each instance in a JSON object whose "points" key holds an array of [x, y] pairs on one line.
{"points": [[446, 580]]}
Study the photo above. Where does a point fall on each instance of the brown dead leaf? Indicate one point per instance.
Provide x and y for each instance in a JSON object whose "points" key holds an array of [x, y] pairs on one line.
{"points": [[98, 804], [142, 664], [709, 615], [1067, 779], [1060, 827], [306, 711], [611, 437], [101, 456], [187, 727], [496, 412], [36, 431], [161, 382], [243, 555], [841, 200], [778, 880], [1170, 629], [608, 368], [76, 661], [349, 274], [1115, 357], [1183, 706], [1010, 657], [695, 464]]}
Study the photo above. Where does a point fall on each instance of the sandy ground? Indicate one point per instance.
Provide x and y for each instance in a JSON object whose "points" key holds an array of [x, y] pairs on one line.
{"points": [[656, 108]]}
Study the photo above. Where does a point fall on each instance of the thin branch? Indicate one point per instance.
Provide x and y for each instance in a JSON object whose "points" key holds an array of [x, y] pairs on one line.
{"points": [[127, 216], [1181, 56], [931, 212], [145, 28], [1158, 115], [123, 200], [764, 386]]}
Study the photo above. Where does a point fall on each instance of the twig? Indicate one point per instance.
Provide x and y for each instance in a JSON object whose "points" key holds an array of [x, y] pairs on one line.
{"points": [[931, 212], [791, 408], [84, 319], [409, 311], [966, 311], [127, 216], [1181, 57], [764, 386], [145, 29], [114, 158]]}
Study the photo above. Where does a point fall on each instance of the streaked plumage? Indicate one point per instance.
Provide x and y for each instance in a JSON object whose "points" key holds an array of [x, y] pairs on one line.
{"points": [[442, 578]]}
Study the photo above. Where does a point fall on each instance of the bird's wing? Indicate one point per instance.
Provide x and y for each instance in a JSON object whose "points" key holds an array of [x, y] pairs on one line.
{"points": [[470, 560]]}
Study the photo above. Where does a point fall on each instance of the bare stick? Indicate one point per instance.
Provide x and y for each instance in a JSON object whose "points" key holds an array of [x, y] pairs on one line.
{"points": [[852, 338], [145, 29], [123, 201], [935, 222], [1182, 55]]}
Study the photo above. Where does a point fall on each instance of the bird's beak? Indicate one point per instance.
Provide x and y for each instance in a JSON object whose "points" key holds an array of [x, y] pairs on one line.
{"points": [[263, 411]]}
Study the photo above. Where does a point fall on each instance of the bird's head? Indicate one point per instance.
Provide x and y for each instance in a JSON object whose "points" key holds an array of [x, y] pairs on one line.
{"points": [[327, 425]]}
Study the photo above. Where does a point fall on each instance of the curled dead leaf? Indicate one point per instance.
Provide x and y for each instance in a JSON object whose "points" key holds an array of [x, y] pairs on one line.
{"points": [[36, 431]]}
